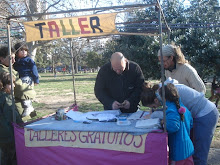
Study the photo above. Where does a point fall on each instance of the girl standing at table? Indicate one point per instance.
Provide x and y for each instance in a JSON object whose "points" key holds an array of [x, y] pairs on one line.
{"points": [[7, 143], [179, 122], [204, 112]]}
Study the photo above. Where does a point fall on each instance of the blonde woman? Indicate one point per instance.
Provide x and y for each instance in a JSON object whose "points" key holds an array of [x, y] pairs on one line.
{"points": [[177, 67]]}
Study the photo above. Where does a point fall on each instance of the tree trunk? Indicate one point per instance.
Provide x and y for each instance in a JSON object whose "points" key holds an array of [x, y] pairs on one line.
{"points": [[32, 50], [53, 66], [35, 6], [76, 65]]}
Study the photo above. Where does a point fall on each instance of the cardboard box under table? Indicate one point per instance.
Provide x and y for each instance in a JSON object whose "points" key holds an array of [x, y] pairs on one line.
{"points": [[49, 142]]}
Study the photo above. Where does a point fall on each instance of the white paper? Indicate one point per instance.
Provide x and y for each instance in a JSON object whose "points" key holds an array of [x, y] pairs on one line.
{"points": [[107, 115], [114, 112], [94, 115], [125, 122], [77, 116], [157, 114], [101, 117], [148, 123], [138, 115]]}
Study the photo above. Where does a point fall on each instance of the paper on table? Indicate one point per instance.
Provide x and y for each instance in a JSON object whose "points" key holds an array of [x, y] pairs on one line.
{"points": [[107, 115], [157, 114], [149, 123], [94, 115], [114, 112], [102, 117], [138, 115], [77, 116]]}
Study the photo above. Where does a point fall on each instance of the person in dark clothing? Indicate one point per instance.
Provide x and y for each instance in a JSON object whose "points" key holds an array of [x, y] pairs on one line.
{"points": [[119, 84], [7, 141]]}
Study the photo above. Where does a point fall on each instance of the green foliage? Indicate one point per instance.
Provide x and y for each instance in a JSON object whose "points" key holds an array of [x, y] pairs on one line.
{"points": [[140, 49], [199, 43], [203, 54], [41, 60], [174, 14], [93, 59]]}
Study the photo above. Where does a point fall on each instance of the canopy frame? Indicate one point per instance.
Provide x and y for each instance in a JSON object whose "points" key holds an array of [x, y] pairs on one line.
{"points": [[160, 14]]}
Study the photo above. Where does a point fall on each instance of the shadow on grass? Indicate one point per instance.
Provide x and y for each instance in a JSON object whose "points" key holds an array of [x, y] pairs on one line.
{"points": [[38, 105], [85, 107], [68, 75], [58, 79], [47, 78]]}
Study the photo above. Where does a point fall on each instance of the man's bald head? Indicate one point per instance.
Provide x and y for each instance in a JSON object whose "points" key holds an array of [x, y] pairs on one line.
{"points": [[117, 56], [118, 62]]}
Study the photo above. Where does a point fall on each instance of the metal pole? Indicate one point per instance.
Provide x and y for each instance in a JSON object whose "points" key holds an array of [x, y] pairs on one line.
{"points": [[0, 156], [10, 69], [168, 36], [72, 66], [83, 10], [162, 70]]}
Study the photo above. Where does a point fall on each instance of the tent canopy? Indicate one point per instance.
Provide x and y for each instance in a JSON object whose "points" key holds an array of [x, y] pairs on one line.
{"points": [[83, 26]]}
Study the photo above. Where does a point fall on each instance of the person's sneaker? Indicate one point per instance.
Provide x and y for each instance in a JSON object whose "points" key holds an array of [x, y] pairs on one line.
{"points": [[27, 111], [33, 114]]}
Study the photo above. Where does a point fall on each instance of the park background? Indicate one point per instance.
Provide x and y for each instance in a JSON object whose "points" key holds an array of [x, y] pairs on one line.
{"points": [[194, 24]]}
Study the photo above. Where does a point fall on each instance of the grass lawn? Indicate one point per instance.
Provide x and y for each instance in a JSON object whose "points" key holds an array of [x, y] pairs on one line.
{"points": [[54, 93]]}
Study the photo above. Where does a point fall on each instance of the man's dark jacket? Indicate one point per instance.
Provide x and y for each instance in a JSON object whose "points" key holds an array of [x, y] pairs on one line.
{"points": [[110, 86]]}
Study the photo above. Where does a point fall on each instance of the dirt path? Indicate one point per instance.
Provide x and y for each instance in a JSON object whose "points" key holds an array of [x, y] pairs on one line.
{"points": [[214, 156]]}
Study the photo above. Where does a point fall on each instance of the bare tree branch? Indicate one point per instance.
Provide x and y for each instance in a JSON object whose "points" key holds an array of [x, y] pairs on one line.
{"points": [[52, 5], [9, 7], [28, 8], [96, 3]]}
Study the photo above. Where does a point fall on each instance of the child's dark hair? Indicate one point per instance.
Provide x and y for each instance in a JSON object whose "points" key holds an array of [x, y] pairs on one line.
{"points": [[171, 94], [148, 93], [20, 46], [4, 51], [4, 80]]}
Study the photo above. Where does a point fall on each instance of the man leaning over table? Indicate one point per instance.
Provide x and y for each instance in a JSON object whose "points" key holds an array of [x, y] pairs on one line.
{"points": [[119, 84]]}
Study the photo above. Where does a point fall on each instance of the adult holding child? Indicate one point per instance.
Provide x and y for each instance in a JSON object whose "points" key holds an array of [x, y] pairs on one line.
{"points": [[119, 84], [177, 67], [204, 112], [22, 91]]}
